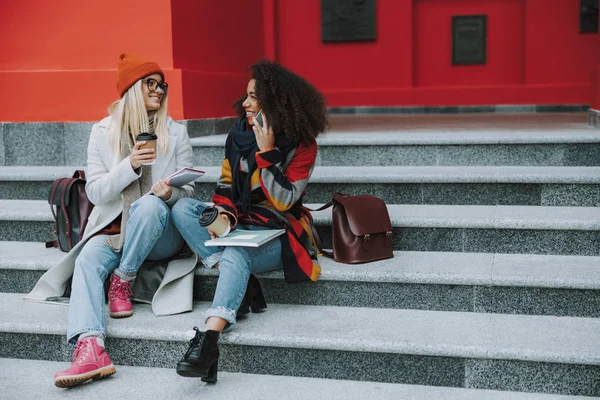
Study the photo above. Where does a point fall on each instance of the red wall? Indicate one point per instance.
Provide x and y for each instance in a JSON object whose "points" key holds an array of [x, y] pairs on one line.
{"points": [[58, 58], [66, 35], [383, 63], [433, 45], [535, 54], [556, 51]]}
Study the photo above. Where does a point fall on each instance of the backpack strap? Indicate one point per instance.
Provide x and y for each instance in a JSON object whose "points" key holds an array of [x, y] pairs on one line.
{"points": [[318, 242], [55, 185], [314, 230], [65, 214], [79, 174], [52, 243]]}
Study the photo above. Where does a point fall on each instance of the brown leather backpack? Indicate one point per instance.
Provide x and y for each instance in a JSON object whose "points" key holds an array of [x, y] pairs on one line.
{"points": [[71, 208], [361, 229]]}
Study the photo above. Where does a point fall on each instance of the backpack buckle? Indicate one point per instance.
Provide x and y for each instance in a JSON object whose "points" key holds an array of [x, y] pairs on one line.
{"points": [[366, 240]]}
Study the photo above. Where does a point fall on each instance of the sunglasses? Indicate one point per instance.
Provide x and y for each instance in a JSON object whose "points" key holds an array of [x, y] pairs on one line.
{"points": [[153, 85]]}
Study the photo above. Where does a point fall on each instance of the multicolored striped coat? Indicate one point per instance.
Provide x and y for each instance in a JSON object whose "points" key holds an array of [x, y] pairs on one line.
{"points": [[278, 185]]}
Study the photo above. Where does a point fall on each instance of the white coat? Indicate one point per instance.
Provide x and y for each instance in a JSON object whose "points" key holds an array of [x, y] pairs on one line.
{"points": [[105, 184]]}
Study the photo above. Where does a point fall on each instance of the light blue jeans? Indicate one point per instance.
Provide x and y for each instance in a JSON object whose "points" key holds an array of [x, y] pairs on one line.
{"points": [[236, 263], [150, 234]]}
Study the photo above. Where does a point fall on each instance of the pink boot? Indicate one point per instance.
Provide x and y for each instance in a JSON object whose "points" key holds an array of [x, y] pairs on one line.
{"points": [[90, 361], [119, 298]]}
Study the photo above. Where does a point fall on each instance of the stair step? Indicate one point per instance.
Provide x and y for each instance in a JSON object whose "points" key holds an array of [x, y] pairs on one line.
{"points": [[32, 379], [472, 229], [554, 354], [486, 283], [549, 139], [560, 140], [545, 186]]}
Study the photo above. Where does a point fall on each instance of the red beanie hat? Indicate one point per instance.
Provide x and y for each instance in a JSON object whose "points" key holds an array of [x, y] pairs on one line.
{"points": [[133, 68]]}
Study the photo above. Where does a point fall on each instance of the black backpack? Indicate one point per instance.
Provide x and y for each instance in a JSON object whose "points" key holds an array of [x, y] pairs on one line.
{"points": [[71, 208]]}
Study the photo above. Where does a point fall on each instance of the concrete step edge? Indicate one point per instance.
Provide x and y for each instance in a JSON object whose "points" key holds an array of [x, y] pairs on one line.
{"points": [[401, 137], [33, 379], [568, 340], [439, 268], [406, 215], [374, 174]]}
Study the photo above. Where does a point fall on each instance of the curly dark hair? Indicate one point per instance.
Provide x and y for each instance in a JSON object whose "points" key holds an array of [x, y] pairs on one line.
{"points": [[292, 105]]}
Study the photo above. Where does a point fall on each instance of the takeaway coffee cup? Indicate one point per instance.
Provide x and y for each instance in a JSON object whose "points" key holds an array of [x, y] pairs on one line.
{"points": [[150, 139], [211, 220]]}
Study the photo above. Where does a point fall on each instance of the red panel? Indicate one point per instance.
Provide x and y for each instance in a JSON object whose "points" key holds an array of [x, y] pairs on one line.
{"points": [[556, 51], [209, 95], [75, 34], [460, 95], [270, 40], [595, 97], [434, 43], [224, 36], [384, 63]]}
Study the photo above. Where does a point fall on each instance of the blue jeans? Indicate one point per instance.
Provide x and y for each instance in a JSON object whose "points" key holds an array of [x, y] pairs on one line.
{"points": [[150, 234], [236, 263]]}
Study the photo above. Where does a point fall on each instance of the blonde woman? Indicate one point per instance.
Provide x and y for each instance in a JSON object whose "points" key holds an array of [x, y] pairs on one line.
{"points": [[125, 228]]}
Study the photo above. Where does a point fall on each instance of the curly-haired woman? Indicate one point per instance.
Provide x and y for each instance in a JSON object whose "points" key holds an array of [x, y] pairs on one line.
{"points": [[263, 179], [124, 228]]}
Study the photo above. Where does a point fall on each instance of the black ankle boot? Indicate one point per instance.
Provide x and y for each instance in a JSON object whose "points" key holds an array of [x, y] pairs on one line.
{"points": [[201, 360], [253, 298], [257, 303]]}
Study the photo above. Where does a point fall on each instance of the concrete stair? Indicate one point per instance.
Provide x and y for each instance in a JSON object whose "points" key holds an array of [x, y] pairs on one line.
{"points": [[493, 291], [472, 185], [473, 229], [29, 380], [467, 282], [435, 348], [444, 140]]}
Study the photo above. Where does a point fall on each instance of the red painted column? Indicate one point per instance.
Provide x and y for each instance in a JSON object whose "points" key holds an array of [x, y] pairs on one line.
{"points": [[58, 59], [213, 44], [270, 20]]}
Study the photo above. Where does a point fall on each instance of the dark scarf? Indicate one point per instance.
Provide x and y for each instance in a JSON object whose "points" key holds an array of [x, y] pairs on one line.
{"points": [[243, 146]]}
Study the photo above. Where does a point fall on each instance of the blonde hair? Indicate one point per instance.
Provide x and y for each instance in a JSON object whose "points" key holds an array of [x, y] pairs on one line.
{"points": [[129, 116]]}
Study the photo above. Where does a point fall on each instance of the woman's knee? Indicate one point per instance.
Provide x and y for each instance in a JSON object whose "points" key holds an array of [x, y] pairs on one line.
{"points": [[148, 206], [87, 266], [186, 209]]}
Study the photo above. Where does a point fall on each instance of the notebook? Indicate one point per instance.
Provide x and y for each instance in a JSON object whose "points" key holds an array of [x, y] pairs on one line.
{"points": [[242, 237], [182, 177]]}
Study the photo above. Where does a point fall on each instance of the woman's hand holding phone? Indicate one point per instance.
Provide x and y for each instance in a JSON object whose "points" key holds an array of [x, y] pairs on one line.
{"points": [[265, 138]]}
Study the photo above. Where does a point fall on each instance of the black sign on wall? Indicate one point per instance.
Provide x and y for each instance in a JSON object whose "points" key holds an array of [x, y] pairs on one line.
{"points": [[348, 20], [469, 39], [588, 16]]}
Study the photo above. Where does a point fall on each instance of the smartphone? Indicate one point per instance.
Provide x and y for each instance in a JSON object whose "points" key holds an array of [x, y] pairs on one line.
{"points": [[259, 118]]}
